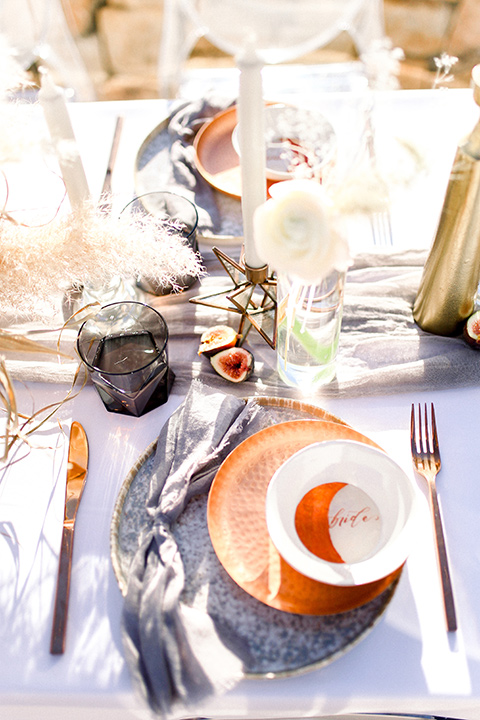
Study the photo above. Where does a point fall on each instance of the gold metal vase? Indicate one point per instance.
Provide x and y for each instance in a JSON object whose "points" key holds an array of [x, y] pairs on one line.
{"points": [[451, 274]]}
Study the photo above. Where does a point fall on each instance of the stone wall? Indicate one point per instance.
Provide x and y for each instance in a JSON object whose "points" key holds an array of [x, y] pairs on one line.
{"points": [[120, 39]]}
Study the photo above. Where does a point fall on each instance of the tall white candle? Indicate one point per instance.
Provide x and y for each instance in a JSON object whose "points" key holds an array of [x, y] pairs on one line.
{"points": [[52, 101], [251, 129]]}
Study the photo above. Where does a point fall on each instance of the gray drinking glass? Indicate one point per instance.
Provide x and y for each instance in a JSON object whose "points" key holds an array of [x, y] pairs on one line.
{"points": [[124, 347], [177, 214]]}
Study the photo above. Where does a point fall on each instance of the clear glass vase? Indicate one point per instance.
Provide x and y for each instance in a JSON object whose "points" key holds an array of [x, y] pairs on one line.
{"points": [[309, 319]]}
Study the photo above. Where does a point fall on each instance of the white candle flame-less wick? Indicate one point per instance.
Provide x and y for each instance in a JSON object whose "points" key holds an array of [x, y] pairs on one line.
{"points": [[52, 101]]}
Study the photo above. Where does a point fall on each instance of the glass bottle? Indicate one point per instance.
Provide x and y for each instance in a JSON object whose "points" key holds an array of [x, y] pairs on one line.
{"points": [[449, 283]]}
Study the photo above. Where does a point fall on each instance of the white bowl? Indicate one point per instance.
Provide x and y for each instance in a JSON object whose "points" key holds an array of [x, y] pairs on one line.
{"points": [[363, 528]]}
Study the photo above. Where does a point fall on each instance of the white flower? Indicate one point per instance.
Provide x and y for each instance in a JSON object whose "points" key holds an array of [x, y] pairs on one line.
{"points": [[294, 232]]}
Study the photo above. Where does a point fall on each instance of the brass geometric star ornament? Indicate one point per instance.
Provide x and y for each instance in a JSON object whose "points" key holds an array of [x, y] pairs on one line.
{"points": [[253, 297]]}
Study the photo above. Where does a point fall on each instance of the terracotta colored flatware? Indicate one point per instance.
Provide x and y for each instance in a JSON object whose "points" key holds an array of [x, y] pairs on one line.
{"points": [[76, 476]]}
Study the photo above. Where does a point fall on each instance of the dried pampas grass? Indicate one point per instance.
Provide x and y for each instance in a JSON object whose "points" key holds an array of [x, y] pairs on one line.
{"points": [[8, 400], [18, 428], [13, 342], [87, 246]]}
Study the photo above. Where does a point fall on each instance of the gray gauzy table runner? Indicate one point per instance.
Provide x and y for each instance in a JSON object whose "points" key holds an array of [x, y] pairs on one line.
{"points": [[381, 349]]}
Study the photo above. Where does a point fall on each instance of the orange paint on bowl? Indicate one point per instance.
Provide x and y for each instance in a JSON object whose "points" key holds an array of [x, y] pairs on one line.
{"points": [[312, 521]]}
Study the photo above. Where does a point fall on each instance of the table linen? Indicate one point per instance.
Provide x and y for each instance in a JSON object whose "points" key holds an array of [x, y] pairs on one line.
{"points": [[407, 665], [379, 293]]}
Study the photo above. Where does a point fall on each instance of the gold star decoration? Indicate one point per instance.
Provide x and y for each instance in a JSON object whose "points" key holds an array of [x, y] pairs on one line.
{"points": [[253, 297]]}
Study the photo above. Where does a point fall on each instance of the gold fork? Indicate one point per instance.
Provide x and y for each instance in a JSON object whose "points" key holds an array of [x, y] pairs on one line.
{"points": [[426, 458]]}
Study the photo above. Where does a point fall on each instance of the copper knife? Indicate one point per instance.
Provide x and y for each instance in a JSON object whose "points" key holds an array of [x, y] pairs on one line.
{"points": [[76, 475], [105, 195]]}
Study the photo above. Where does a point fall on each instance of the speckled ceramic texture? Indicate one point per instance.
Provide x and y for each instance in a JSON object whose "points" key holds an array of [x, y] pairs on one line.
{"points": [[280, 643]]}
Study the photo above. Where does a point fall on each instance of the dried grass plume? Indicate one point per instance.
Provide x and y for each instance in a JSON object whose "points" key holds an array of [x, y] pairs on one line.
{"points": [[86, 246]]}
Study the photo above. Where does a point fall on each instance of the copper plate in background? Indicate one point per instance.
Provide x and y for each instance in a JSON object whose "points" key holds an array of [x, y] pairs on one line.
{"points": [[216, 158], [238, 530]]}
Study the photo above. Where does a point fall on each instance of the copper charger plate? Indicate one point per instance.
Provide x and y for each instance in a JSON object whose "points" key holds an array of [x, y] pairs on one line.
{"points": [[238, 530], [129, 514], [215, 157]]}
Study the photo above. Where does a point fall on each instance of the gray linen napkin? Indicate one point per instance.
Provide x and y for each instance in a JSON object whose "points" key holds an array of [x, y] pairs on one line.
{"points": [[176, 655], [168, 162]]}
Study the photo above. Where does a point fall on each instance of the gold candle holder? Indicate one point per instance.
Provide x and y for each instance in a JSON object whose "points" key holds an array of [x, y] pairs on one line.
{"points": [[449, 283], [253, 297]]}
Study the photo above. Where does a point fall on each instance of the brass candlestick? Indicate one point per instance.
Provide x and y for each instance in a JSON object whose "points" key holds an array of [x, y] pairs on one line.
{"points": [[451, 274], [253, 297]]}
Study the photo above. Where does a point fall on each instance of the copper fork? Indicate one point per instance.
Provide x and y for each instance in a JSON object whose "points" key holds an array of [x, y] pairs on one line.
{"points": [[426, 458]]}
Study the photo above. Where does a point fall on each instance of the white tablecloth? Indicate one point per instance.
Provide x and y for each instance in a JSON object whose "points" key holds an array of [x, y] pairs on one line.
{"points": [[408, 663]]}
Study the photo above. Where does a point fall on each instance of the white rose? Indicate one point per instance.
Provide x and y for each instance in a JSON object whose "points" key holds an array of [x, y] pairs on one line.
{"points": [[294, 232]]}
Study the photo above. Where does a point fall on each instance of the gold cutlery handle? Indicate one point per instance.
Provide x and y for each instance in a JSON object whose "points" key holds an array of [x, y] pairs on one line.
{"points": [[442, 560], [60, 612]]}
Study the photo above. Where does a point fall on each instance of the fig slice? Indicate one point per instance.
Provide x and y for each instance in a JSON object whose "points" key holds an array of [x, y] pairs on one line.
{"points": [[471, 330], [216, 338], [234, 364]]}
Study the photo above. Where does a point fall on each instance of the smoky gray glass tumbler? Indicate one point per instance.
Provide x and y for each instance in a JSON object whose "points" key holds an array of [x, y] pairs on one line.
{"points": [[124, 347]]}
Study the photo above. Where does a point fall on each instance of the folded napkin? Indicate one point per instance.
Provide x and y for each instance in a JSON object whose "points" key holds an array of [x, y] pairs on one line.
{"points": [[168, 162], [178, 655]]}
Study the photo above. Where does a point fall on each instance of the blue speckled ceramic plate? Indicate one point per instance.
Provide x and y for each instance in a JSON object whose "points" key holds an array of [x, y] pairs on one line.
{"points": [[280, 643]]}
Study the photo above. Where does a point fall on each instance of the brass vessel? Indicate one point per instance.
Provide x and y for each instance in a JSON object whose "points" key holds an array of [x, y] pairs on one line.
{"points": [[449, 283]]}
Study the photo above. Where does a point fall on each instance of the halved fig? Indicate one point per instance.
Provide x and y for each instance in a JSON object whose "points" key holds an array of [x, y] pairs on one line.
{"points": [[471, 330], [234, 364], [216, 338]]}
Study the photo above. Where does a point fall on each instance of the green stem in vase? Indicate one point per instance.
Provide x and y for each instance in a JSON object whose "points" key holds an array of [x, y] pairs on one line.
{"points": [[309, 318], [319, 353]]}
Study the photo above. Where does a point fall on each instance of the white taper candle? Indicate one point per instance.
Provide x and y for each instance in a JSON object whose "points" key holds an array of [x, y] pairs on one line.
{"points": [[251, 129], [52, 101]]}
